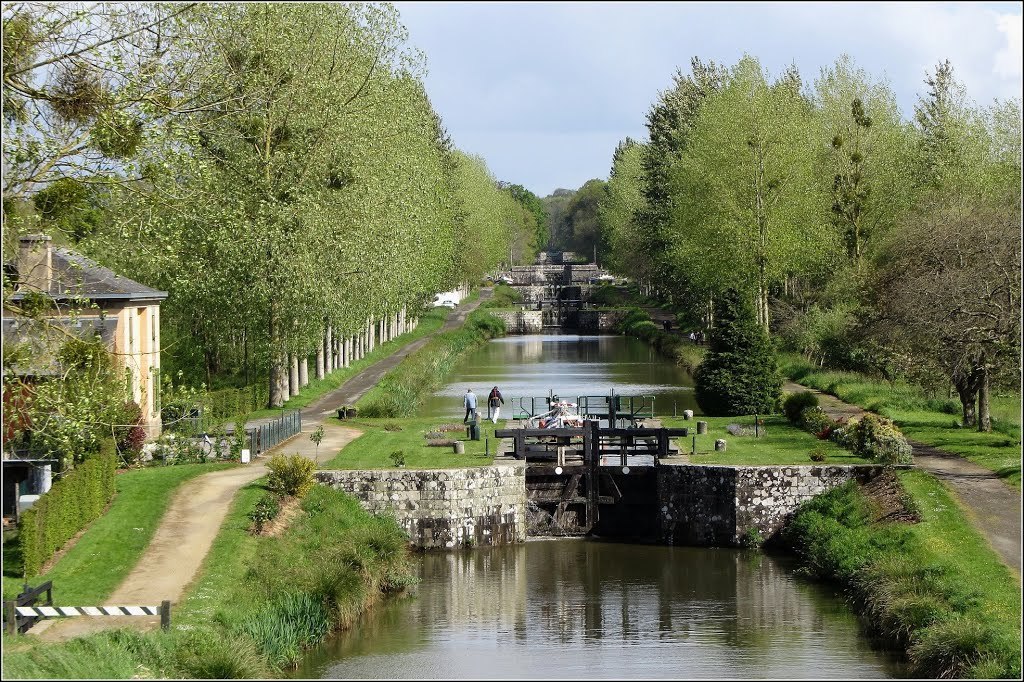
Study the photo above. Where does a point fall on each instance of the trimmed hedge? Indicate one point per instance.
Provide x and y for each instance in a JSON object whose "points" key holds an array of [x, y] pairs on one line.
{"points": [[71, 504]]}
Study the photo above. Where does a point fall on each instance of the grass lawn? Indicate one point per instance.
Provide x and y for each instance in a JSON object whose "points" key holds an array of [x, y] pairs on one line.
{"points": [[372, 449], [111, 546], [784, 444], [927, 420], [949, 535], [317, 388]]}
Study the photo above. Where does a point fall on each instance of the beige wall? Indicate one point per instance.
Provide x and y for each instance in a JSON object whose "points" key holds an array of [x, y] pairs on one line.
{"points": [[137, 347]]}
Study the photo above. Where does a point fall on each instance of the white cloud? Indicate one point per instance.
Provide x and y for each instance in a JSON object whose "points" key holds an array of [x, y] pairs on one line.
{"points": [[1008, 60]]}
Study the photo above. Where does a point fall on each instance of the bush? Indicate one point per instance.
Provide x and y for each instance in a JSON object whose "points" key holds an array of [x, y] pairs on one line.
{"points": [[878, 438], [77, 498], [266, 509], [292, 475], [816, 421], [129, 435], [398, 458], [818, 455], [795, 403], [738, 374]]}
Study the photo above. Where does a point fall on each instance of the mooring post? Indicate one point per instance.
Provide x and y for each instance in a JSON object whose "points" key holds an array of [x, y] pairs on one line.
{"points": [[487, 447], [693, 450], [165, 614], [12, 617], [674, 409], [592, 440], [755, 425]]}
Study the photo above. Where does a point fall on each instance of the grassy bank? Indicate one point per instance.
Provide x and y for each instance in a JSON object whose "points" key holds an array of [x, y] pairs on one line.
{"points": [[430, 322], [927, 420], [258, 602], [401, 391], [783, 444], [934, 588], [382, 437], [120, 537]]}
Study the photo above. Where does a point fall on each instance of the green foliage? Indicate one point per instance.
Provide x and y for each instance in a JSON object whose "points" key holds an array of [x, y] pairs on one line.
{"points": [[908, 592], [290, 475], [402, 389], [818, 454], [878, 438], [77, 498], [817, 421], [752, 538], [266, 509], [795, 403], [285, 626], [70, 207], [738, 374], [397, 458]]}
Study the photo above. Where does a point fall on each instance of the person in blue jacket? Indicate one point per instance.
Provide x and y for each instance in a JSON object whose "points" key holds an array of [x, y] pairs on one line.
{"points": [[470, 403]]}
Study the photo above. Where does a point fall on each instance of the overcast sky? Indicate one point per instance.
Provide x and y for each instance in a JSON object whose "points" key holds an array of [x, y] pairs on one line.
{"points": [[545, 90]]}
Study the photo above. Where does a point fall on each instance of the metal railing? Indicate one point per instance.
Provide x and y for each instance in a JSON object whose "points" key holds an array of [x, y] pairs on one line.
{"points": [[263, 437]]}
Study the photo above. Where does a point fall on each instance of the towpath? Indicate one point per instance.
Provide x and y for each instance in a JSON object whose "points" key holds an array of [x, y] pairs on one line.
{"points": [[194, 517], [991, 504]]}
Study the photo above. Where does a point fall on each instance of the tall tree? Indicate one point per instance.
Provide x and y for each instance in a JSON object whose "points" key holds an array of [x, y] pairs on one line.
{"points": [[747, 209]]}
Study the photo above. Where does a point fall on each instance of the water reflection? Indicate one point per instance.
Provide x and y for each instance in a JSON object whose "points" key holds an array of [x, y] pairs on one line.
{"points": [[569, 364], [574, 608]]}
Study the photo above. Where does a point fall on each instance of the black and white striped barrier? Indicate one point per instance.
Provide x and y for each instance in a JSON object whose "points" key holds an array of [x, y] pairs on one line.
{"points": [[22, 613]]}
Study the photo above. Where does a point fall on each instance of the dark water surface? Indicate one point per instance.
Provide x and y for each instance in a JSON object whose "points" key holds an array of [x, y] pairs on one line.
{"points": [[571, 365], [587, 609]]}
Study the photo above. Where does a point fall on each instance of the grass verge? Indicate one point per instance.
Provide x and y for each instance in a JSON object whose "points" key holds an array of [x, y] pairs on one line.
{"points": [[783, 444], [259, 601], [934, 588], [931, 421], [401, 391], [119, 537], [382, 437]]}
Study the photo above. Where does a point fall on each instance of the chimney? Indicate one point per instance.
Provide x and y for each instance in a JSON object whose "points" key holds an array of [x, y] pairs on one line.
{"points": [[35, 262]]}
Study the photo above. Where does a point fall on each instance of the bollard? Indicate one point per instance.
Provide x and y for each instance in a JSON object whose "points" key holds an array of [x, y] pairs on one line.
{"points": [[702, 427], [693, 450], [674, 409], [459, 447], [687, 414], [165, 615], [720, 445], [487, 447]]}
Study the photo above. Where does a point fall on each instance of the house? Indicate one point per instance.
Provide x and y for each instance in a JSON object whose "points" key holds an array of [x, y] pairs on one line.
{"points": [[123, 313]]}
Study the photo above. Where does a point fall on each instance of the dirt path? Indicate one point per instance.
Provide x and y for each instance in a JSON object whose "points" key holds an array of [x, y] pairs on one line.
{"points": [[992, 506], [187, 530]]}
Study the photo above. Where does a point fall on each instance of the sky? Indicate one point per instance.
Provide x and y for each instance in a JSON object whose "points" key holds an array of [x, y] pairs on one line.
{"points": [[544, 91]]}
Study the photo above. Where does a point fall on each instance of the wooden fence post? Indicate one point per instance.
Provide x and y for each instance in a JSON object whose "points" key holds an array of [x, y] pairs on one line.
{"points": [[11, 617], [165, 615]]}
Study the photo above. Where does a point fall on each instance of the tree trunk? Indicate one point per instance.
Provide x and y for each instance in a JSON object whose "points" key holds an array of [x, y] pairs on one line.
{"points": [[984, 412], [968, 395], [293, 375], [328, 350], [320, 361], [304, 371]]}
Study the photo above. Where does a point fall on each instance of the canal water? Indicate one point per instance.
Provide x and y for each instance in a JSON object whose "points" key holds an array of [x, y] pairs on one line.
{"points": [[575, 608], [557, 609], [570, 365]]}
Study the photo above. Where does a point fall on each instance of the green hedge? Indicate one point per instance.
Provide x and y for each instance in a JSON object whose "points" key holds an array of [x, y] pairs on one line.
{"points": [[70, 505]]}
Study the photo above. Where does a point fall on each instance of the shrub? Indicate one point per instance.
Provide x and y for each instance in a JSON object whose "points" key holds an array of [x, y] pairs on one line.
{"points": [[393, 426], [795, 403], [129, 435], [878, 438], [77, 498], [818, 454], [266, 509], [398, 458], [292, 475], [738, 374], [893, 449], [816, 421], [752, 538]]}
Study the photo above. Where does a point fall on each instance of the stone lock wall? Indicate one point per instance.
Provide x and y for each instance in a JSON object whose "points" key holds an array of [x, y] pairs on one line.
{"points": [[718, 505], [521, 321], [444, 508], [598, 320]]}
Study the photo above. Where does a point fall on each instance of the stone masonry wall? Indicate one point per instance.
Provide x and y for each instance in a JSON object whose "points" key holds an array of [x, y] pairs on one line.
{"points": [[598, 320], [718, 505], [444, 508], [521, 321]]}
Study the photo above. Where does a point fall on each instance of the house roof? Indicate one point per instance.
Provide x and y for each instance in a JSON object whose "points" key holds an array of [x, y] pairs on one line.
{"points": [[45, 341], [75, 275]]}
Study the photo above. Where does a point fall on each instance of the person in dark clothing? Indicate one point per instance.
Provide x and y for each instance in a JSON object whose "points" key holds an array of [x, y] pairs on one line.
{"points": [[494, 402]]}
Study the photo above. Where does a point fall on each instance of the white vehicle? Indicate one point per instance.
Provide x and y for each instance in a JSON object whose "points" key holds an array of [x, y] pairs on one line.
{"points": [[506, 279], [442, 302]]}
